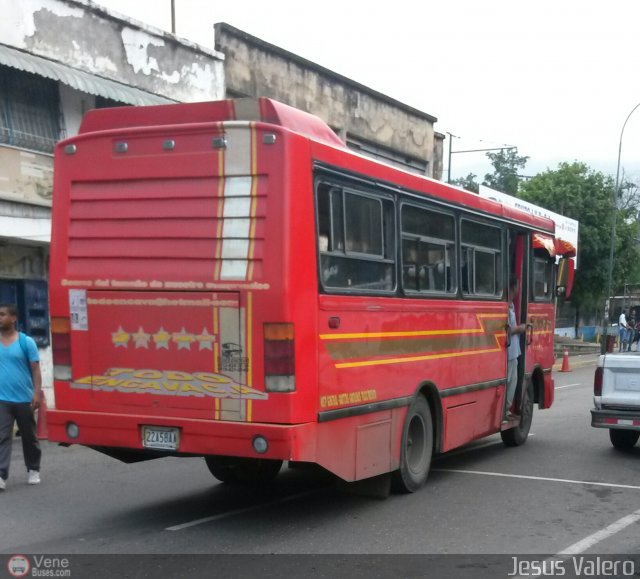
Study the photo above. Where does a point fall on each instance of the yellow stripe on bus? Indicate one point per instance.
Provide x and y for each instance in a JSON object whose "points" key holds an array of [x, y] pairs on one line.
{"points": [[249, 337], [413, 359]]}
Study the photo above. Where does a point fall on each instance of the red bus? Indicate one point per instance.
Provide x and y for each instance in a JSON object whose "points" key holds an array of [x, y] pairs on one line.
{"points": [[228, 280]]}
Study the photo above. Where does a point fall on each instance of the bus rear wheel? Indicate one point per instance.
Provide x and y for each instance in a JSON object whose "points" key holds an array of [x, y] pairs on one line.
{"points": [[416, 448], [623, 439], [234, 470], [518, 436]]}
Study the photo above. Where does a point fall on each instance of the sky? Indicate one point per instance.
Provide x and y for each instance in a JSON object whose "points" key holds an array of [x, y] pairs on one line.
{"points": [[555, 78]]}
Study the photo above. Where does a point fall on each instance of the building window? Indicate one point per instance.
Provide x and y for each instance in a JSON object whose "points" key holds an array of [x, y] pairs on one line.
{"points": [[387, 155], [29, 110]]}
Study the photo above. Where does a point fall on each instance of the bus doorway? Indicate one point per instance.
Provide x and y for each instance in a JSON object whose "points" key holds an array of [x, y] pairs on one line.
{"points": [[518, 398]]}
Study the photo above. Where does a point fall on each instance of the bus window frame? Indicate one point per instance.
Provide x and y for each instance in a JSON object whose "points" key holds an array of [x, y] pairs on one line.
{"points": [[539, 256], [472, 294], [453, 254], [343, 186]]}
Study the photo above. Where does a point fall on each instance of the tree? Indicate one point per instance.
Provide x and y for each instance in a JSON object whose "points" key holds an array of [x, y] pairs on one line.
{"points": [[505, 171], [469, 183], [578, 192]]}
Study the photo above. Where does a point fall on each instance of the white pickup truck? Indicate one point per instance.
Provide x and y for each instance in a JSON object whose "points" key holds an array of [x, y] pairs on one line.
{"points": [[616, 394]]}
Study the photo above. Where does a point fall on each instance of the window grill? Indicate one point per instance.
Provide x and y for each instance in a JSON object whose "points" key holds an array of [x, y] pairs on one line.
{"points": [[29, 110]]}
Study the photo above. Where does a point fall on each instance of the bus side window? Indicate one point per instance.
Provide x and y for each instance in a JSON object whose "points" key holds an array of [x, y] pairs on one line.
{"points": [[428, 248], [356, 239]]}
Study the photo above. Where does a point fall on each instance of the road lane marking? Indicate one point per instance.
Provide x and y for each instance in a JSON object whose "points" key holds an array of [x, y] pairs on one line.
{"points": [[567, 386], [597, 537], [591, 540], [540, 478], [241, 511]]}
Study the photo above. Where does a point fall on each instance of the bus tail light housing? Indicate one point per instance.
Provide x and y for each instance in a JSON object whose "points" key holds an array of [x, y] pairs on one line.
{"points": [[597, 381], [61, 348], [279, 358]]}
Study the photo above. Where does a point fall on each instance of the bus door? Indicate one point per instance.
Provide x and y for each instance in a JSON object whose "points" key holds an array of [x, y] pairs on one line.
{"points": [[518, 244]]}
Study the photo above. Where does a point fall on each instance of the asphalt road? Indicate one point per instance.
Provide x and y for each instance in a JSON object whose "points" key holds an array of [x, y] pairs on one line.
{"points": [[567, 488]]}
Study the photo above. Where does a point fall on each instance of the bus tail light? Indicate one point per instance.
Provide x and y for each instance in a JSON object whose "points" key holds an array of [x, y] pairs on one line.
{"points": [[61, 348], [279, 358], [597, 381]]}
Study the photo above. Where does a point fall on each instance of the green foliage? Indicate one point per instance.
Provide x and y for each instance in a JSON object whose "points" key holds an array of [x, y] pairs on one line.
{"points": [[505, 171], [469, 183], [578, 192]]}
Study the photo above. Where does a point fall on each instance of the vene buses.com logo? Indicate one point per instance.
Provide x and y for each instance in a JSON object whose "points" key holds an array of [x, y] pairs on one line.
{"points": [[18, 566]]}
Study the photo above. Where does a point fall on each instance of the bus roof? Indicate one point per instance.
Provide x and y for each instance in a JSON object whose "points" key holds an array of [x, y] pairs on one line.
{"points": [[262, 109], [273, 112]]}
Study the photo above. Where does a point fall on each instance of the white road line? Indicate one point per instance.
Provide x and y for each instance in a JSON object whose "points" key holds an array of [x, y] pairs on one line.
{"points": [[567, 386], [540, 478], [591, 540], [241, 511]]}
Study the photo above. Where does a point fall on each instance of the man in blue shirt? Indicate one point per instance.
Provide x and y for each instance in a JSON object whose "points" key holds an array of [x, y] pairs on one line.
{"points": [[20, 395]]}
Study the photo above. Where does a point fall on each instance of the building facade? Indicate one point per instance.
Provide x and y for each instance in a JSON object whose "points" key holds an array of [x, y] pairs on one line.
{"points": [[366, 120]]}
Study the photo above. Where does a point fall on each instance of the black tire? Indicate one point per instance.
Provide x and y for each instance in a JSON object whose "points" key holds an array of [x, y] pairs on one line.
{"points": [[518, 435], [623, 439], [416, 448], [234, 470]]}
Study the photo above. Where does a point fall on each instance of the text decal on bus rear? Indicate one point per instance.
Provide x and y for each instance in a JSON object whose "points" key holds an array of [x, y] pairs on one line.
{"points": [[168, 383]]}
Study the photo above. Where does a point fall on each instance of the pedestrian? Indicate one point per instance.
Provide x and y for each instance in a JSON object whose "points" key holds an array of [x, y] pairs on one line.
{"points": [[623, 329], [636, 334], [20, 395], [513, 351], [630, 331]]}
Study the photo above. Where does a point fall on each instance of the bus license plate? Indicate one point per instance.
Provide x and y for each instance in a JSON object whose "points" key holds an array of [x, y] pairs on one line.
{"points": [[160, 438]]}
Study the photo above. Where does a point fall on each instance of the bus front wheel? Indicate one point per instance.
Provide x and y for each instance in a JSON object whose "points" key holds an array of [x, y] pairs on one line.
{"points": [[232, 469], [416, 448]]}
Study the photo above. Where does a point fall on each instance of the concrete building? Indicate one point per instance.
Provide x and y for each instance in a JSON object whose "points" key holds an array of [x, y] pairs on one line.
{"points": [[60, 58], [368, 121]]}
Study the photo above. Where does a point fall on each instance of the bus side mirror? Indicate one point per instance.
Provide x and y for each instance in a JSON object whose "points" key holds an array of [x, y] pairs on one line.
{"points": [[564, 278]]}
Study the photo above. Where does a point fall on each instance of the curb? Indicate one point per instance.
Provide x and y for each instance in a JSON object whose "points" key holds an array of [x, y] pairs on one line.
{"points": [[577, 361]]}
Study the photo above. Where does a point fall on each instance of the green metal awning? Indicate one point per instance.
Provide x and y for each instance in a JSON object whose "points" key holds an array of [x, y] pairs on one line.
{"points": [[78, 79]]}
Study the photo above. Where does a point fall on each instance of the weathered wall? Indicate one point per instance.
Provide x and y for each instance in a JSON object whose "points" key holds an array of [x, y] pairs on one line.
{"points": [[83, 35], [25, 176], [256, 68]]}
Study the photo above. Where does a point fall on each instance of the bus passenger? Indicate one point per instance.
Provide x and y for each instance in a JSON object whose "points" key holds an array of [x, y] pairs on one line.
{"points": [[513, 352]]}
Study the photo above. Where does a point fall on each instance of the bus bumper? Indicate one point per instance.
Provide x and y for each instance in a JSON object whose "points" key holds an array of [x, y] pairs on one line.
{"points": [[196, 437]]}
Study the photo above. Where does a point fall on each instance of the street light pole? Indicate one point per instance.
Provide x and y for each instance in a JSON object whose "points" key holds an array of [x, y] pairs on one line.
{"points": [[613, 237]]}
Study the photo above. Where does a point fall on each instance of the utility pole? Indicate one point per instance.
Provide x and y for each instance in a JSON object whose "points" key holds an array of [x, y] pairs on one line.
{"points": [[173, 16], [451, 152]]}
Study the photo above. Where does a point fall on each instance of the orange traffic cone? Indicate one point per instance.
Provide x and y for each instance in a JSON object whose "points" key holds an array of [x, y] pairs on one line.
{"points": [[41, 420], [565, 362]]}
